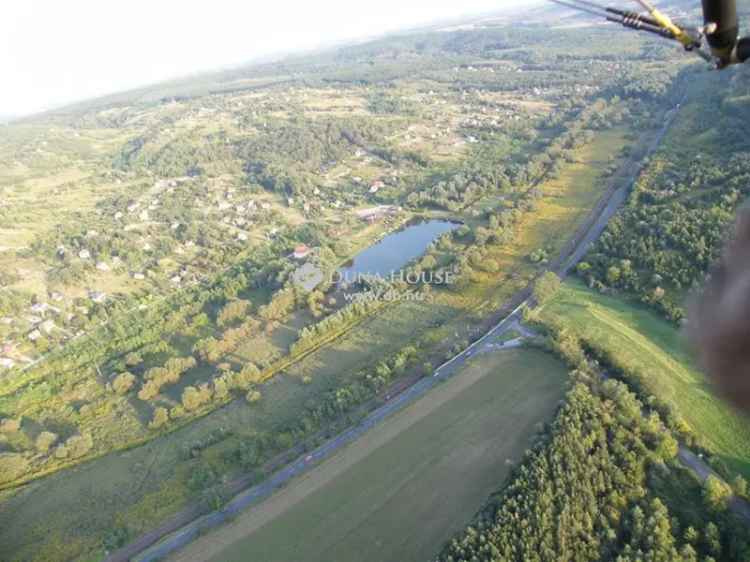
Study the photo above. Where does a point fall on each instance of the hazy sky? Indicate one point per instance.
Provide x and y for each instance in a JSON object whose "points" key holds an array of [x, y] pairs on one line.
{"points": [[55, 51]]}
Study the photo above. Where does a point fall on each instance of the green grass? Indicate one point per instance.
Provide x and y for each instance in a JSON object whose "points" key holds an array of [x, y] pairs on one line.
{"points": [[419, 482], [654, 351]]}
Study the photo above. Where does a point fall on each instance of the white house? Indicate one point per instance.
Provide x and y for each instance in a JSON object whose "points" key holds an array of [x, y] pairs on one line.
{"points": [[84, 255], [35, 335]]}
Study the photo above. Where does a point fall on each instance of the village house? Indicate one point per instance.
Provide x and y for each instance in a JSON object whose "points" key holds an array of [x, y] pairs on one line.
{"points": [[34, 335], [301, 252], [101, 266], [84, 255], [39, 308], [7, 363], [139, 276], [98, 297], [48, 326]]}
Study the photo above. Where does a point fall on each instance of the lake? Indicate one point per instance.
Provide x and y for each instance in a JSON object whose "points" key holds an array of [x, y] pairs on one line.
{"points": [[396, 250]]}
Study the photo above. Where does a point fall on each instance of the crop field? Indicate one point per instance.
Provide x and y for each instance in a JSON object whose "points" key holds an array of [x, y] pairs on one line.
{"points": [[400, 490], [654, 351]]}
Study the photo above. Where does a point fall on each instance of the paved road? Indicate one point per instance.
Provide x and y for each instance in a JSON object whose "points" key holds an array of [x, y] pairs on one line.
{"points": [[574, 251], [739, 506]]}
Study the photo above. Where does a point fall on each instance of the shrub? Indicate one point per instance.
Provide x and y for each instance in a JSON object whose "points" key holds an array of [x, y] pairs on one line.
{"points": [[44, 441], [123, 383]]}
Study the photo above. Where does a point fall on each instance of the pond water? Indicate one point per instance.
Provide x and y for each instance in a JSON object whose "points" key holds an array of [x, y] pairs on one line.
{"points": [[396, 250]]}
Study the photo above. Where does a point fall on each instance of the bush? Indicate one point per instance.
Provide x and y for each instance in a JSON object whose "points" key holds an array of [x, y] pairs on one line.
{"points": [[161, 417], [123, 383], [546, 287], [44, 441], [716, 493]]}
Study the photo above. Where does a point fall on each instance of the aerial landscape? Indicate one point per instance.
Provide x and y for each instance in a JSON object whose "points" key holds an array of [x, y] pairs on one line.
{"points": [[416, 298]]}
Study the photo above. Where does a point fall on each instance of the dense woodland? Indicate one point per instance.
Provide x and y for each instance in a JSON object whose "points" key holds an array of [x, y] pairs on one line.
{"points": [[663, 243]]}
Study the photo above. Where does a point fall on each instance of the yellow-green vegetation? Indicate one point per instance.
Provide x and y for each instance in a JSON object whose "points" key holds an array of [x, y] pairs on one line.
{"points": [[652, 351], [401, 489]]}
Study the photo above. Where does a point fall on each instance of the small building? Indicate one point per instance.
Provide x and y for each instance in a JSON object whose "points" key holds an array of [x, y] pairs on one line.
{"points": [[301, 252], [48, 326], [242, 236], [39, 308], [101, 266], [34, 335], [84, 255], [7, 363], [98, 297], [139, 276]]}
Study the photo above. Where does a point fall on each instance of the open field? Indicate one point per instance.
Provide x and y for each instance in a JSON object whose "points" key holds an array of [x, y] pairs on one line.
{"points": [[654, 351], [400, 490]]}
